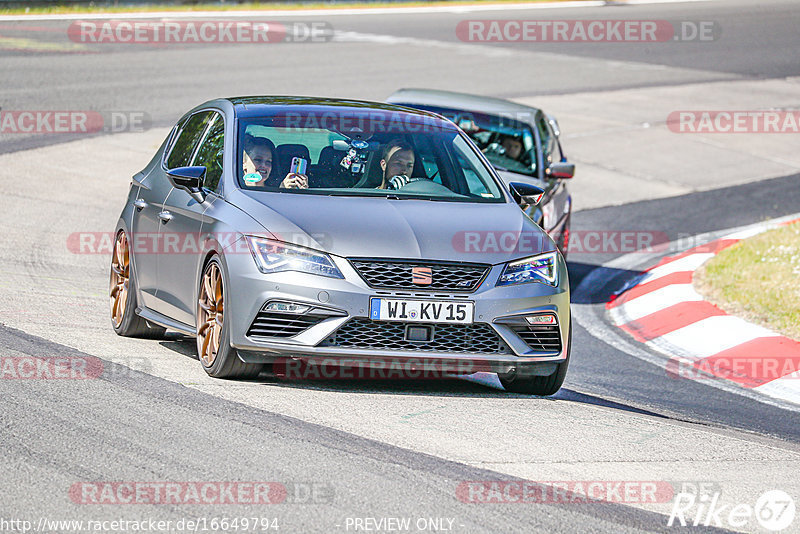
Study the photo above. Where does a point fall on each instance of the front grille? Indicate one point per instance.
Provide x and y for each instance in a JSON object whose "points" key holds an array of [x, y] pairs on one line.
{"points": [[386, 274], [281, 324], [540, 338], [363, 333]]}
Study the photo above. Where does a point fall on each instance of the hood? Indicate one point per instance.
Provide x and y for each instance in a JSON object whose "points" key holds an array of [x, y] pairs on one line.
{"points": [[410, 229]]}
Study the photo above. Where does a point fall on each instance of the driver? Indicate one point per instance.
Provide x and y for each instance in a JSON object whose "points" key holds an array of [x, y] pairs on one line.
{"points": [[397, 164], [513, 146]]}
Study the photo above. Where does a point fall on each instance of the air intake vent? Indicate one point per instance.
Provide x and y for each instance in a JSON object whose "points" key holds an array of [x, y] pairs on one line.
{"points": [[274, 323], [540, 338], [362, 333]]}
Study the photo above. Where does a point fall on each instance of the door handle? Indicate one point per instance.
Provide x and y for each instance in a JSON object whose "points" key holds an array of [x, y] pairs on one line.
{"points": [[139, 204], [165, 216]]}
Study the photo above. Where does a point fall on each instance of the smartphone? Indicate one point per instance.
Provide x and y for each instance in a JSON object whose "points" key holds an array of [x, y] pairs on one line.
{"points": [[298, 165]]}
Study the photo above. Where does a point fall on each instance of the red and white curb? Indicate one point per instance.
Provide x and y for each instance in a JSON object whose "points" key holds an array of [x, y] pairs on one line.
{"points": [[662, 310]]}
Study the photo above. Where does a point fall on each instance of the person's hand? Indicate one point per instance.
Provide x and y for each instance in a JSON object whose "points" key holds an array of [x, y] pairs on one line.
{"points": [[295, 181], [396, 182]]}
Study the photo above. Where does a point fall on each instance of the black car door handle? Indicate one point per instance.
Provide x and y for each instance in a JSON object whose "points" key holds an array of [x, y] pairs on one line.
{"points": [[165, 216]]}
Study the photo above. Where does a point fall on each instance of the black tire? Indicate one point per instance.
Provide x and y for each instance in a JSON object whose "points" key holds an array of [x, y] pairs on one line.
{"points": [[562, 244], [539, 385], [226, 364], [132, 325]]}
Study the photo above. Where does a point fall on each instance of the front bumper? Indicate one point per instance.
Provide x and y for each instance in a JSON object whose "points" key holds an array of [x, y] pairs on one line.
{"points": [[500, 308]]}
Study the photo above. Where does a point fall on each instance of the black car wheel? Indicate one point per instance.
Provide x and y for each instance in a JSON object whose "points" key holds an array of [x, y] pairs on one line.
{"points": [[219, 359], [539, 385], [122, 293]]}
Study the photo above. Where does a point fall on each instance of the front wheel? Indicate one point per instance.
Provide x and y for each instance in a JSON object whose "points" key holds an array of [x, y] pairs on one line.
{"points": [[219, 359], [539, 385]]}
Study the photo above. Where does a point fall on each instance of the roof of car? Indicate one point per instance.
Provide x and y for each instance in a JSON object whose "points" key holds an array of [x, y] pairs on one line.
{"points": [[254, 106], [461, 101]]}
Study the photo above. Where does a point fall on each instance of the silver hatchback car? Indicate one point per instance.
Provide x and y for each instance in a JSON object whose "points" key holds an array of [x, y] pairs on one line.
{"points": [[295, 229]]}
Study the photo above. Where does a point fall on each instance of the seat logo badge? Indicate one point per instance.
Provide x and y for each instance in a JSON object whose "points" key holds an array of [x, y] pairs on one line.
{"points": [[421, 276]]}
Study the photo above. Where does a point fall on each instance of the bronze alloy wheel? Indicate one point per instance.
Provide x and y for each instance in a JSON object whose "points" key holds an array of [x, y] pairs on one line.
{"points": [[120, 279], [210, 315]]}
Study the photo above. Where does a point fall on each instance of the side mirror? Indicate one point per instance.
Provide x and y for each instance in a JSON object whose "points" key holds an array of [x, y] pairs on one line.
{"points": [[526, 195], [189, 179], [561, 169]]}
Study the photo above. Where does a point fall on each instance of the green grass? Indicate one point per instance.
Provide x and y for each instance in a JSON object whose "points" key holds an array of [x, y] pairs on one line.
{"points": [[246, 6], [759, 279]]}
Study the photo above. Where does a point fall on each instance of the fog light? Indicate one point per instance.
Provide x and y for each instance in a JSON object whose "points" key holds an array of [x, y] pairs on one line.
{"points": [[540, 320], [286, 307]]}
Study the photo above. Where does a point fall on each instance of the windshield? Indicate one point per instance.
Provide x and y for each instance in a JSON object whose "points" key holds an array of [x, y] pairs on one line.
{"points": [[344, 155], [506, 142]]}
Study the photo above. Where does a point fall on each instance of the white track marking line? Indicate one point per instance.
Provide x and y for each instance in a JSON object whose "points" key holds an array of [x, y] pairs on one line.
{"points": [[658, 300], [744, 234], [590, 317], [284, 13], [786, 388], [687, 263], [711, 335], [485, 49], [615, 338], [471, 48]]}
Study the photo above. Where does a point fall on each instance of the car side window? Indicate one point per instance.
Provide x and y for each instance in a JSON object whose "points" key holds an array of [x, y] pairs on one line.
{"points": [[209, 155], [427, 159], [548, 140], [188, 138], [556, 147]]}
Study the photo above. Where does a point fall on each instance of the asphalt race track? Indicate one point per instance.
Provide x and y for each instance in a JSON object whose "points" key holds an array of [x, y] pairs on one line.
{"points": [[351, 454]]}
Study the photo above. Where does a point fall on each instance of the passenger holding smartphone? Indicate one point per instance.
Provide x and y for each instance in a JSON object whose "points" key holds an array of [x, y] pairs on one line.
{"points": [[296, 178], [258, 162]]}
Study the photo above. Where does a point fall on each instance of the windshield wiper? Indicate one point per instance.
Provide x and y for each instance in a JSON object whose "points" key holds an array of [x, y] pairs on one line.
{"points": [[391, 196]]}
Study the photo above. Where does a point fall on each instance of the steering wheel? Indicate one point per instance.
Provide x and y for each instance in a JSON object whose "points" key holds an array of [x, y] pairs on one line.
{"points": [[425, 186]]}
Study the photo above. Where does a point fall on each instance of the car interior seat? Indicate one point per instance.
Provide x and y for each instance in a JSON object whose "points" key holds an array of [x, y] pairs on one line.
{"points": [[284, 154], [328, 172]]}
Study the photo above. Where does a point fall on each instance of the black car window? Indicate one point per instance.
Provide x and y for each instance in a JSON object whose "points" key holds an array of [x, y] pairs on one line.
{"points": [[556, 147], [209, 155], [548, 140], [187, 140]]}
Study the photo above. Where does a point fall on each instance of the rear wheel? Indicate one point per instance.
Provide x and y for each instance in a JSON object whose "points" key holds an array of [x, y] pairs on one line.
{"points": [[219, 359], [122, 293], [539, 385]]}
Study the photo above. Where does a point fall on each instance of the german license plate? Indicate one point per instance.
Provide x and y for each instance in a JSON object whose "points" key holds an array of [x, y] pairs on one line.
{"points": [[421, 311]]}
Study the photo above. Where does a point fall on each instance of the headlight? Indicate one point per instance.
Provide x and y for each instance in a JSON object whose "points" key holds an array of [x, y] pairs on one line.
{"points": [[276, 256], [542, 268]]}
